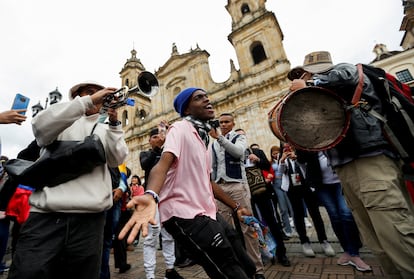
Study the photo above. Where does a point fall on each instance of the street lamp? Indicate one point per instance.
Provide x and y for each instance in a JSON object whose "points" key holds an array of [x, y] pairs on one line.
{"points": [[54, 97]]}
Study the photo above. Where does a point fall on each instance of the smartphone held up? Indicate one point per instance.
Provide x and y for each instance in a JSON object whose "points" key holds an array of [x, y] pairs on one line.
{"points": [[20, 102]]}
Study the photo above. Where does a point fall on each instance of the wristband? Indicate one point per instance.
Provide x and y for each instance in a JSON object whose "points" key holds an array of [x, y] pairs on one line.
{"points": [[153, 194], [237, 207]]}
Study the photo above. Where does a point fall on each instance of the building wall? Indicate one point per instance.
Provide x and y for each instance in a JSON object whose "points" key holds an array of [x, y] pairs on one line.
{"points": [[249, 93]]}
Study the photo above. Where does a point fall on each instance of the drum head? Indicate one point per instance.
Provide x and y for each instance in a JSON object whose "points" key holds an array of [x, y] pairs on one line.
{"points": [[313, 119]]}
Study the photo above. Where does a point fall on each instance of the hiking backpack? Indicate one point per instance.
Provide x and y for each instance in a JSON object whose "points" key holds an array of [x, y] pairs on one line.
{"points": [[397, 109]]}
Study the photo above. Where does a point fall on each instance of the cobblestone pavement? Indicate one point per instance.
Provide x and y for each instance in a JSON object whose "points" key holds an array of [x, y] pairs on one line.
{"points": [[302, 267]]}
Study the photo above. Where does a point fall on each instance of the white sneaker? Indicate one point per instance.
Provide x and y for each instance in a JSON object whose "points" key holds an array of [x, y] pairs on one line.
{"points": [[344, 259], [327, 249], [359, 264], [307, 250], [292, 224], [308, 224]]}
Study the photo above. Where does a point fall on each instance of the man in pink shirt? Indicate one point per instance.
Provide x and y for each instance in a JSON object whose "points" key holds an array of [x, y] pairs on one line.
{"points": [[180, 183]]}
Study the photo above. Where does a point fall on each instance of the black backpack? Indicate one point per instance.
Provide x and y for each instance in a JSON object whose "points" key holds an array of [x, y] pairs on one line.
{"points": [[397, 109]]}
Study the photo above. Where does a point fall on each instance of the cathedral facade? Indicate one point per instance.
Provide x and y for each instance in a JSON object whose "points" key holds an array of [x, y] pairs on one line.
{"points": [[249, 93]]}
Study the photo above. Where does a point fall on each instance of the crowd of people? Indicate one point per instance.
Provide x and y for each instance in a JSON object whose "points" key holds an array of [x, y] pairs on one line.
{"points": [[196, 201]]}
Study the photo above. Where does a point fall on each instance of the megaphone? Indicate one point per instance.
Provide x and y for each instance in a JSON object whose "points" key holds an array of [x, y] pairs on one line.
{"points": [[148, 83]]}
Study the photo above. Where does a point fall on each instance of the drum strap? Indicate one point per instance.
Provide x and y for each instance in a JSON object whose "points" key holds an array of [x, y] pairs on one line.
{"points": [[358, 91]]}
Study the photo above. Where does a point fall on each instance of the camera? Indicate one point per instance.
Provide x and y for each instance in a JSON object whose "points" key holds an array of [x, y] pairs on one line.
{"points": [[214, 123], [287, 148]]}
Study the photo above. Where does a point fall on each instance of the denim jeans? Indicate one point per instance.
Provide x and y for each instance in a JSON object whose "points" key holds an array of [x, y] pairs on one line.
{"points": [[150, 249], [343, 223], [285, 207]]}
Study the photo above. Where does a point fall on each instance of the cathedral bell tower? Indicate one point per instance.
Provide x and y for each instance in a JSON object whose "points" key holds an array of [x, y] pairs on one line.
{"points": [[136, 115], [132, 68], [256, 37], [407, 25]]}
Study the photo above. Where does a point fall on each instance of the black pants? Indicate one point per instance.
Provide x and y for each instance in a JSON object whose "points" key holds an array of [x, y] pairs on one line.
{"points": [[59, 245], [120, 245], [298, 194], [268, 211], [206, 240], [237, 242]]}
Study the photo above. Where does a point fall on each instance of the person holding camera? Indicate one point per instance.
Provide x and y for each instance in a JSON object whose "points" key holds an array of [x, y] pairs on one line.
{"points": [[294, 183]]}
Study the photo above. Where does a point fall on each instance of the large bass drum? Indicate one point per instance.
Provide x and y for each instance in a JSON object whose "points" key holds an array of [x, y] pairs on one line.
{"points": [[311, 119]]}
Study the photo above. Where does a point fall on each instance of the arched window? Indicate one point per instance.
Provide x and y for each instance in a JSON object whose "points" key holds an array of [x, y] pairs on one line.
{"points": [[245, 9], [141, 114], [127, 82], [124, 118], [258, 53]]}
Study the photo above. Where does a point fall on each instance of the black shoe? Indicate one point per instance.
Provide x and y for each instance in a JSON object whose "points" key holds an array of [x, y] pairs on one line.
{"points": [[172, 274], [187, 262], [285, 237], [259, 276], [124, 268], [284, 261]]}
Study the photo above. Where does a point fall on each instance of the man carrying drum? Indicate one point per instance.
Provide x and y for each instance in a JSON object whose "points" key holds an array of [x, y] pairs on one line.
{"points": [[369, 169]]}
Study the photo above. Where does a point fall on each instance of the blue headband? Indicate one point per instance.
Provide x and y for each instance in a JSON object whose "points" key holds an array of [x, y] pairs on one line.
{"points": [[183, 98]]}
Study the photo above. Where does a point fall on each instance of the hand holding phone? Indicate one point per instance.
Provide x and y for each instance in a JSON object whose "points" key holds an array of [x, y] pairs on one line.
{"points": [[20, 103], [12, 116]]}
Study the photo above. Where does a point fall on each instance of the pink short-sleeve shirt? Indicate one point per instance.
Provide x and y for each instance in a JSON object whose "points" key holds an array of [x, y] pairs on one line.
{"points": [[187, 190]]}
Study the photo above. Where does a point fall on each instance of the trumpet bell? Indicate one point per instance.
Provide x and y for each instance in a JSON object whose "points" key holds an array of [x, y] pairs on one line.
{"points": [[148, 83]]}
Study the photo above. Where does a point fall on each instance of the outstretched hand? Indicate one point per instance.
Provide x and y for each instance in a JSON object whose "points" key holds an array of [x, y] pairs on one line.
{"points": [[12, 116], [242, 211], [144, 213]]}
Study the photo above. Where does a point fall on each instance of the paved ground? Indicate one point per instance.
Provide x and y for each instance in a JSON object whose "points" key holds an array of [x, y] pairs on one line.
{"points": [[302, 268]]}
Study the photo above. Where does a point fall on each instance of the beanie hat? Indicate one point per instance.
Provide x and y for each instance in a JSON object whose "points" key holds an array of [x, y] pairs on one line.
{"points": [[183, 98]]}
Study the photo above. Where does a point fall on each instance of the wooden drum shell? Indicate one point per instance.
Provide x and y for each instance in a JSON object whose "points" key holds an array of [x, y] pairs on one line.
{"points": [[311, 119]]}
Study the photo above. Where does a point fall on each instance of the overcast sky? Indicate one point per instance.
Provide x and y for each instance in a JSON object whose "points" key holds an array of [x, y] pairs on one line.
{"points": [[47, 43]]}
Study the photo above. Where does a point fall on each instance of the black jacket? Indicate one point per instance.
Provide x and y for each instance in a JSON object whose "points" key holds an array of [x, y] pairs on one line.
{"points": [[365, 131], [148, 160]]}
